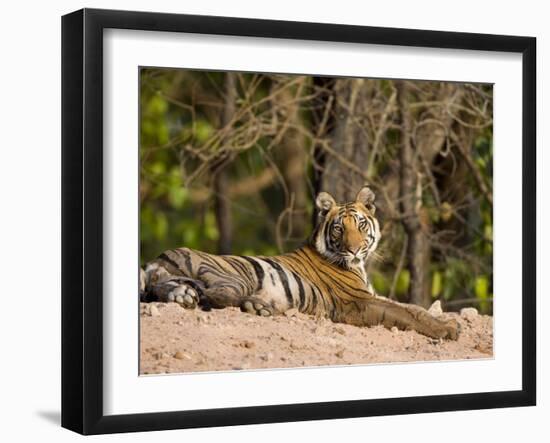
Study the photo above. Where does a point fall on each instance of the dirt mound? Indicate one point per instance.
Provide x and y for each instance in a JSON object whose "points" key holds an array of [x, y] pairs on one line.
{"points": [[178, 340]]}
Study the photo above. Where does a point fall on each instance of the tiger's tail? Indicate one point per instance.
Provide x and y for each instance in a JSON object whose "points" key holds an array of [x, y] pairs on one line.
{"points": [[142, 285]]}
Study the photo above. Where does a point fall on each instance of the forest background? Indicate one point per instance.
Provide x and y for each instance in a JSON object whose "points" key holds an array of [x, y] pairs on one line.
{"points": [[231, 162]]}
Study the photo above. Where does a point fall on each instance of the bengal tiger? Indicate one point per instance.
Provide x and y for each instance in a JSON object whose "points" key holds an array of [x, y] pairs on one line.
{"points": [[326, 277]]}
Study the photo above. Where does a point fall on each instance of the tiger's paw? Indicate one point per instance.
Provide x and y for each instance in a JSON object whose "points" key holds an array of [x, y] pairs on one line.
{"points": [[256, 306], [185, 296], [452, 329]]}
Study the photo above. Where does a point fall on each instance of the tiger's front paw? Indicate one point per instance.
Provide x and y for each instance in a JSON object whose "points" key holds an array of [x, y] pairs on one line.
{"points": [[451, 329], [256, 306]]}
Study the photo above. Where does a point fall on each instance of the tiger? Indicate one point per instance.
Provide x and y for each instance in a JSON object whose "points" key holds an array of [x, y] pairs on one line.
{"points": [[326, 277]]}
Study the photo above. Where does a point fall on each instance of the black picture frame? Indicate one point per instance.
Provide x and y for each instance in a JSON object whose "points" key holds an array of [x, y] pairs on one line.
{"points": [[82, 218]]}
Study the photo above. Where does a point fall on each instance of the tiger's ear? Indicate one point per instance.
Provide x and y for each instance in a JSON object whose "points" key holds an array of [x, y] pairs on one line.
{"points": [[324, 202], [366, 196]]}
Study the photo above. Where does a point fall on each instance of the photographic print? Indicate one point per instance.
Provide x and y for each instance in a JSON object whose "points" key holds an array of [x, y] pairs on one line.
{"points": [[250, 204], [294, 221]]}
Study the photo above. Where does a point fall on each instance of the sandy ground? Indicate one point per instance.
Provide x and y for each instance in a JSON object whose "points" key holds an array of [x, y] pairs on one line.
{"points": [[177, 340]]}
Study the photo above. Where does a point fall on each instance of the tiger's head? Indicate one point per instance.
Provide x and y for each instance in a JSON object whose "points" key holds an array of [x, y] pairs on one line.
{"points": [[347, 234]]}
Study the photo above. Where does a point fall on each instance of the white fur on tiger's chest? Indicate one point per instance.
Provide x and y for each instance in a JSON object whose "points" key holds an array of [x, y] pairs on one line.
{"points": [[359, 267]]}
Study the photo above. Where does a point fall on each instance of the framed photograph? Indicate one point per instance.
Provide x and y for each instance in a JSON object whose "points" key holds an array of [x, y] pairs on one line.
{"points": [[269, 221]]}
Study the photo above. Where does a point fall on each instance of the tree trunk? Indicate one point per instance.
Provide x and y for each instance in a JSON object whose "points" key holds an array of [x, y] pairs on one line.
{"points": [[292, 156], [222, 203], [348, 142], [418, 247]]}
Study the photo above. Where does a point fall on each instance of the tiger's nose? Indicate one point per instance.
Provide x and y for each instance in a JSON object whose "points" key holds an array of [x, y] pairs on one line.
{"points": [[354, 250]]}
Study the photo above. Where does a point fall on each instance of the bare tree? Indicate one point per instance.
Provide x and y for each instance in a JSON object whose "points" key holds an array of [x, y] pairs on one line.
{"points": [[418, 248], [222, 203], [349, 141]]}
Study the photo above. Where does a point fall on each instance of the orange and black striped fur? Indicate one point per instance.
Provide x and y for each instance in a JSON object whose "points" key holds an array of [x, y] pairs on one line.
{"points": [[326, 277]]}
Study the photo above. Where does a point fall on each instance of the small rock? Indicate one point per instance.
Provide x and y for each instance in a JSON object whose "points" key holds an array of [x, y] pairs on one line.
{"points": [[243, 366], [181, 355], [267, 357], [248, 344], [468, 313], [291, 312], [435, 309], [484, 348], [340, 330], [394, 329], [154, 311], [340, 353]]}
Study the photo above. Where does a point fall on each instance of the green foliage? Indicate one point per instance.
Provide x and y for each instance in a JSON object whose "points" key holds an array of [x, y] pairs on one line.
{"points": [[202, 131], [403, 283], [380, 283], [169, 216], [482, 292], [437, 284], [456, 276]]}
